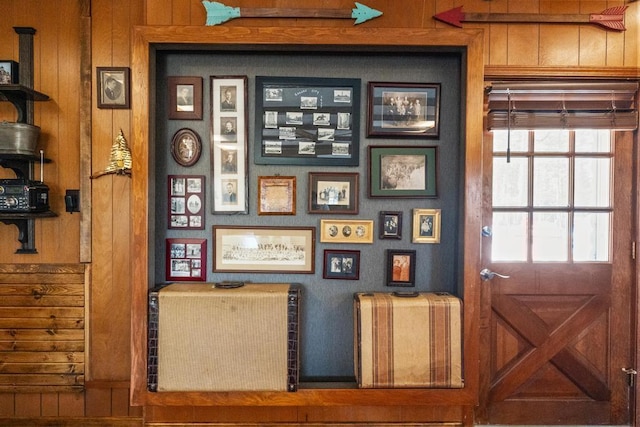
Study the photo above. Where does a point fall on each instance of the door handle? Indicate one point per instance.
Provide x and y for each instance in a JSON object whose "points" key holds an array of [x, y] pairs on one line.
{"points": [[486, 274]]}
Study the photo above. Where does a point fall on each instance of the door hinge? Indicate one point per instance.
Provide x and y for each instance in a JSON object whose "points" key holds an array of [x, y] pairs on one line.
{"points": [[631, 375]]}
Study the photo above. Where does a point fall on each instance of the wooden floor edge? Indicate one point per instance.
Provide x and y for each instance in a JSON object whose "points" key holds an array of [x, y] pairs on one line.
{"points": [[72, 422]]}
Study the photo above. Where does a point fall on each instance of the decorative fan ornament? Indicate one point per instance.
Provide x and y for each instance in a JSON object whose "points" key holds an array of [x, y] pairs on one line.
{"points": [[120, 160]]}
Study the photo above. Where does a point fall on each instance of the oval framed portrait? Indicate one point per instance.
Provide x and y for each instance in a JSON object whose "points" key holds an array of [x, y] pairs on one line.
{"points": [[186, 147]]}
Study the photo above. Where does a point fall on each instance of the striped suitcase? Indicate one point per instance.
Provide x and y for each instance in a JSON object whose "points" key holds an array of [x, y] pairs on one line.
{"points": [[408, 339]]}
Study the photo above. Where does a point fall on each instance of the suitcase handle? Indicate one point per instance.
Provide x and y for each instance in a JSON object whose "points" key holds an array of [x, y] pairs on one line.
{"points": [[228, 285], [405, 294]]}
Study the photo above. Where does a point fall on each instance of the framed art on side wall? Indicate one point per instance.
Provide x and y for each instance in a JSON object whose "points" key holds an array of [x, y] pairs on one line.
{"points": [[186, 260], [113, 87], [401, 268], [185, 98], [402, 172], [333, 193], [344, 265], [186, 202], [426, 226], [276, 195]]}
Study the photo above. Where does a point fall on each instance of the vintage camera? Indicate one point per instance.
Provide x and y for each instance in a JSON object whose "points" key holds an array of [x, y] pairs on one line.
{"points": [[20, 195]]}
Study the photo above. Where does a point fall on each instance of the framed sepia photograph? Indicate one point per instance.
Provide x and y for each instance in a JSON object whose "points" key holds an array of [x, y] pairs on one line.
{"points": [[186, 202], [346, 231], [343, 265], [401, 268], [186, 147], [403, 110], [228, 136], [426, 226], [390, 225], [259, 249], [276, 195], [333, 193], [114, 87], [402, 172], [307, 121], [185, 97], [9, 72], [186, 260]]}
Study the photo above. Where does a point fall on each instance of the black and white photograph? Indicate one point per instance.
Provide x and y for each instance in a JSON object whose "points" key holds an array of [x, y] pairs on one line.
{"points": [[185, 97], [228, 98], [390, 224], [426, 225], [113, 87], [341, 265], [333, 192], [402, 171], [186, 202], [186, 260]]}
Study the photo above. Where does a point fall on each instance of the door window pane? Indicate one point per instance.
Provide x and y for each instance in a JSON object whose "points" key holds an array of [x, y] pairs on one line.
{"points": [[551, 141], [593, 141], [510, 180], [550, 236], [519, 141], [551, 182], [509, 236], [591, 236], [592, 182]]}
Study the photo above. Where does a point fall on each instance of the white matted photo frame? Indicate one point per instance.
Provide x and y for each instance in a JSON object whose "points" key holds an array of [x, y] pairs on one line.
{"points": [[426, 225], [186, 260], [229, 165]]}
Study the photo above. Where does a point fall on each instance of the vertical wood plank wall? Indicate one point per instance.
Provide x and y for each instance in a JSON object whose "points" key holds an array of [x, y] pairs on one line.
{"points": [[509, 48]]}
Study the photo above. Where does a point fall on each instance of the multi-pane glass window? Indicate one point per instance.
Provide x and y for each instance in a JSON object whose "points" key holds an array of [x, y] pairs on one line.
{"points": [[552, 199]]}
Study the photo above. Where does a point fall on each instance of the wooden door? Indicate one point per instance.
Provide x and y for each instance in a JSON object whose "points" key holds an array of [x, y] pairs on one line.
{"points": [[555, 334]]}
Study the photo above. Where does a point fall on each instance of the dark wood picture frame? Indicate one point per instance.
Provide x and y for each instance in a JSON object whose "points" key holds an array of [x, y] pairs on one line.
{"points": [[403, 110], [276, 195], [185, 97], [186, 260], [114, 87], [333, 193], [341, 264], [187, 201], [401, 267], [186, 147], [403, 172], [390, 225], [9, 72]]}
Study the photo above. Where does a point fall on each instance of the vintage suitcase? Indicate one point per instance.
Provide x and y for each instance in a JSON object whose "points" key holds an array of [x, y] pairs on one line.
{"points": [[407, 339], [204, 337]]}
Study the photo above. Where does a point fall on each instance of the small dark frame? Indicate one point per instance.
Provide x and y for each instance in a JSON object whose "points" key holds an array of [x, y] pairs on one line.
{"points": [[403, 110], [185, 97], [9, 72], [401, 268], [390, 223], [186, 260], [341, 264], [186, 147], [333, 193], [113, 87], [392, 172]]}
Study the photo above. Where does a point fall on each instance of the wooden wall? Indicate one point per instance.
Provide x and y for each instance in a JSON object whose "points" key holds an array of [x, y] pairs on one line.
{"points": [[76, 36]]}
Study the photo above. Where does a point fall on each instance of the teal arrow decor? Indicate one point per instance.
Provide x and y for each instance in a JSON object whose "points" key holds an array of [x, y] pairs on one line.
{"points": [[363, 13]]}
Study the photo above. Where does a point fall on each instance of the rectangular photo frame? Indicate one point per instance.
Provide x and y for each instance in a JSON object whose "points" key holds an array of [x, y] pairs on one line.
{"points": [[402, 172], [346, 231], [401, 268], [186, 195], [390, 225], [307, 121], [114, 87], [333, 193], [9, 72], [276, 195], [426, 226], [185, 97], [403, 110], [228, 137], [263, 249], [341, 265], [186, 260]]}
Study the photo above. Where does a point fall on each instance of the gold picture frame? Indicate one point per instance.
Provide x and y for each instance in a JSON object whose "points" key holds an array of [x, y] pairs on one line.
{"points": [[276, 195], [426, 225], [346, 231]]}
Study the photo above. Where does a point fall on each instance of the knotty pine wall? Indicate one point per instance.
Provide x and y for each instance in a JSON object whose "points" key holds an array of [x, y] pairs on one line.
{"points": [[76, 36]]}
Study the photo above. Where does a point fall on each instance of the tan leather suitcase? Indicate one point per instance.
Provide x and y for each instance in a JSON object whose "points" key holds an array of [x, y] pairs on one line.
{"points": [[407, 339], [208, 338]]}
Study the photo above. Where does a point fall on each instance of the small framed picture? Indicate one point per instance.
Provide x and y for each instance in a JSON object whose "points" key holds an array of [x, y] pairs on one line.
{"points": [[343, 265], [186, 202], [426, 226], [186, 147], [276, 195], [113, 87], [403, 110], [401, 268], [402, 172], [346, 231], [9, 72], [186, 260], [185, 98], [390, 224], [333, 193]]}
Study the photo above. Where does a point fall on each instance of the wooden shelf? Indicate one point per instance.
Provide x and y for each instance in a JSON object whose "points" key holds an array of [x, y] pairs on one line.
{"points": [[8, 92]]}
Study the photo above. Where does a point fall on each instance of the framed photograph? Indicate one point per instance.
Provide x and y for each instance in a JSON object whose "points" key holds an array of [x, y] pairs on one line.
{"points": [[403, 110], [343, 265], [186, 147], [229, 164], [276, 195], [426, 226], [9, 72], [186, 202], [186, 260], [239, 249], [346, 231], [307, 121], [401, 268], [113, 87], [333, 193], [390, 225], [185, 98], [402, 172]]}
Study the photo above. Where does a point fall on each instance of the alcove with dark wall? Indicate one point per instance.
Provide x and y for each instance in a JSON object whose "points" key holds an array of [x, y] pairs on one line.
{"points": [[326, 306]]}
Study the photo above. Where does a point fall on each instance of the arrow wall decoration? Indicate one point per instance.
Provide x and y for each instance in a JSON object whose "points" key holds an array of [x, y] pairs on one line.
{"points": [[217, 13], [612, 18]]}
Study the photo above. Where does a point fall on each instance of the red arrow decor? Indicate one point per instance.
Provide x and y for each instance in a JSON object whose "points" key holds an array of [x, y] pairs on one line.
{"points": [[612, 18]]}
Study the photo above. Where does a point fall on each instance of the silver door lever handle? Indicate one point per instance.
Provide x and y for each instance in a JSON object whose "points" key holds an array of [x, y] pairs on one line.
{"points": [[486, 274]]}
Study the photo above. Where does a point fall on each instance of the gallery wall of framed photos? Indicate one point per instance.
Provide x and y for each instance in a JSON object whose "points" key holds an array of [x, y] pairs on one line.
{"points": [[315, 156]]}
